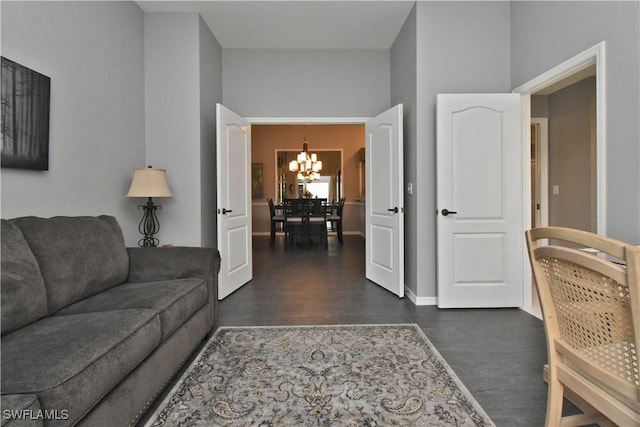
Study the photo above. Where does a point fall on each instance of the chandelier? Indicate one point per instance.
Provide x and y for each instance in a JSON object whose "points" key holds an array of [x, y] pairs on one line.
{"points": [[306, 165]]}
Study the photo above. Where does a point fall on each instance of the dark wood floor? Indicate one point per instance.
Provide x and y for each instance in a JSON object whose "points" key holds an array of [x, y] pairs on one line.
{"points": [[497, 353]]}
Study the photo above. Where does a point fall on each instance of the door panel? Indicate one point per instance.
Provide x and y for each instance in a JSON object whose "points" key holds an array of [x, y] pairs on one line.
{"points": [[234, 201], [477, 195], [385, 203], [382, 254], [479, 179], [478, 258]]}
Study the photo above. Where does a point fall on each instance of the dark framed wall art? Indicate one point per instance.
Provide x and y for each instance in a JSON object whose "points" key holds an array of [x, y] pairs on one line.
{"points": [[25, 117], [257, 185]]}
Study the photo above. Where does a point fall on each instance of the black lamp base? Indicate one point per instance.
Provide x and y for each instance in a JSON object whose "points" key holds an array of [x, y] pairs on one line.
{"points": [[149, 224]]}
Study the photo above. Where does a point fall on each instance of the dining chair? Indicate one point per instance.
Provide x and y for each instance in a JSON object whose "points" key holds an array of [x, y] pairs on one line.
{"points": [[588, 286], [294, 219], [277, 220], [335, 219], [317, 220]]}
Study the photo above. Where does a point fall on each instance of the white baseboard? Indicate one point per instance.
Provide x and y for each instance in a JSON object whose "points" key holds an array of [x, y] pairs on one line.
{"points": [[420, 300], [534, 311], [353, 233]]}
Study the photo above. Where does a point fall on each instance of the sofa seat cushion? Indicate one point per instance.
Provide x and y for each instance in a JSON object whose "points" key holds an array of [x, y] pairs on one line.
{"points": [[175, 300], [70, 362]]}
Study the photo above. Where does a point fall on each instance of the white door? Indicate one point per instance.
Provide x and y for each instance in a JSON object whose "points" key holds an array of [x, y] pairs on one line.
{"points": [[234, 200], [479, 200], [385, 202]]}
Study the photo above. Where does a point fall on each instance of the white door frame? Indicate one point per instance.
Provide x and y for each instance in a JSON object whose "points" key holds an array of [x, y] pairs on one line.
{"points": [[593, 56], [542, 162], [307, 120]]}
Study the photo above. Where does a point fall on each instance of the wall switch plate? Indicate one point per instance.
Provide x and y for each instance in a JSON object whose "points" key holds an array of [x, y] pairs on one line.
{"points": [[410, 188], [556, 189]]}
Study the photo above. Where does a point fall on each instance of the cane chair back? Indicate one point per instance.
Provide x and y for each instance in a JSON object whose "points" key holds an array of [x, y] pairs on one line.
{"points": [[588, 290]]}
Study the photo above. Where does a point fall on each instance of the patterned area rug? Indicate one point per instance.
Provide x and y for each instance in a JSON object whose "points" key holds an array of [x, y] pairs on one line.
{"points": [[373, 375]]}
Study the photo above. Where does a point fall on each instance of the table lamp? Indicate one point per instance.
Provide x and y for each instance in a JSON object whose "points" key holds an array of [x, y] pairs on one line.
{"points": [[149, 182]]}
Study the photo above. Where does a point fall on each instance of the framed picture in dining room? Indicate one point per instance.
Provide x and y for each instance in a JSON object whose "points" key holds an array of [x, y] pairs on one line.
{"points": [[257, 181], [24, 128]]}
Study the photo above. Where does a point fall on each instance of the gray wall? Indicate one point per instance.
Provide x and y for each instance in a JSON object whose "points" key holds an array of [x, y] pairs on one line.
{"points": [[210, 94], [463, 47], [403, 90], [572, 157], [568, 29], [306, 83], [93, 53], [180, 121]]}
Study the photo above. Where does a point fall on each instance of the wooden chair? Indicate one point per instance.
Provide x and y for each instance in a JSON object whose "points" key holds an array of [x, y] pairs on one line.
{"points": [[277, 220], [591, 309], [336, 220]]}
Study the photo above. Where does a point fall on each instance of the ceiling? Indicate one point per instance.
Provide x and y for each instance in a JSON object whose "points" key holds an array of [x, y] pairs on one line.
{"points": [[301, 24]]}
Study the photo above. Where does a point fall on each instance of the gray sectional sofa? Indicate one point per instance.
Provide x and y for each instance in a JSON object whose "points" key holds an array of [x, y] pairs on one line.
{"points": [[92, 331]]}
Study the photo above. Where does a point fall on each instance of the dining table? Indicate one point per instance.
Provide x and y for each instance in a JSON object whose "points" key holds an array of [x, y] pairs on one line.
{"points": [[305, 218]]}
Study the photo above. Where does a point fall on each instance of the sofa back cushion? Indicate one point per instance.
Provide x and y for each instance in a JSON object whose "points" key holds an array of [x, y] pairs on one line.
{"points": [[78, 256], [24, 297]]}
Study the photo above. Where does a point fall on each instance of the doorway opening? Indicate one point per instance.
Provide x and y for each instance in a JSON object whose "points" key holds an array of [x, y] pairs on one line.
{"points": [[383, 212], [566, 165], [382, 136], [336, 142], [585, 69]]}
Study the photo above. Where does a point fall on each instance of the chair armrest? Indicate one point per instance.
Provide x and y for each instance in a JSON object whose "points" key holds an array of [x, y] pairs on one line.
{"points": [[152, 264]]}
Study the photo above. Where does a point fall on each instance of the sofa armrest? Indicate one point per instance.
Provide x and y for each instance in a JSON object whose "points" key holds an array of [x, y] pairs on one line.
{"points": [[152, 264]]}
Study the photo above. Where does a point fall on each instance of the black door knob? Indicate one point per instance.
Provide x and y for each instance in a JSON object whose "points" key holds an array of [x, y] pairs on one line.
{"points": [[446, 212]]}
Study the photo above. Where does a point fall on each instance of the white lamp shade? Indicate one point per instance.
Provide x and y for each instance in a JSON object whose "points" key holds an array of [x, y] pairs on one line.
{"points": [[149, 182]]}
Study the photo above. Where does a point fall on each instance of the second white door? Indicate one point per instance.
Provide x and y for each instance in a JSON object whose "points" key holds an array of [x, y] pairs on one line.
{"points": [[385, 203], [234, 200], [479, 200]]}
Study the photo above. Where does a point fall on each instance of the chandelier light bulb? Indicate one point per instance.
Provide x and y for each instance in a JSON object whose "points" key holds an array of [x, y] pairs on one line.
{"points": [[306, 166]]}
